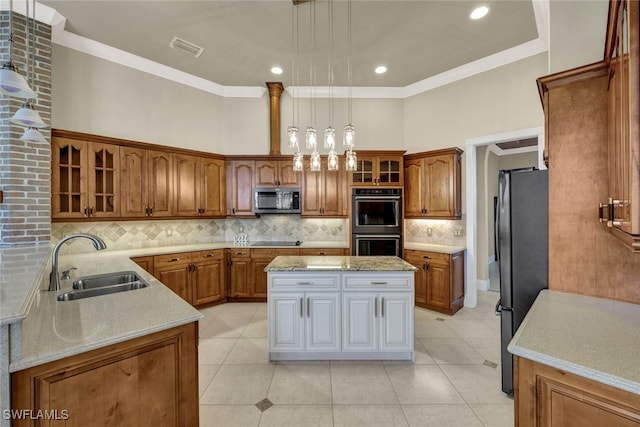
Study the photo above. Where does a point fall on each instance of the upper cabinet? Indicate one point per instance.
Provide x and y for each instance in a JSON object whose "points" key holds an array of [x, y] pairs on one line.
{"points": [[240, 174], [108, 178], [621, 212], [85, 179], [200, 186], [324, 192], [433, 184], [378, 168], [276, 173]]}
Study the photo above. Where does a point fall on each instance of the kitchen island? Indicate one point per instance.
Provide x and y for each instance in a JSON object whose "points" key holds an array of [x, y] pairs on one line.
{"points": [[340, 308]]}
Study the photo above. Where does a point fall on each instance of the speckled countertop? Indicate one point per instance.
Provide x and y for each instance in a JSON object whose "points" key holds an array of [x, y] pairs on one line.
{"points": [[431, 247], [339, 263], [592, 337]]}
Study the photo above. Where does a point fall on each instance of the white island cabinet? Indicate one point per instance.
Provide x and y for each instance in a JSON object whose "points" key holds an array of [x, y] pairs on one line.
{"points": [[335, 307]]}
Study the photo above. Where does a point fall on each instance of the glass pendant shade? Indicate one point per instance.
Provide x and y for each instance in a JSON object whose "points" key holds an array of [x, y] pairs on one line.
{"points": [[13, 84], [298, 165], [332, 161], [311, 138], [329, 138], [33, 135], [352, 161], [314, 163], [28, 116], [349, 137], [292, 132]]}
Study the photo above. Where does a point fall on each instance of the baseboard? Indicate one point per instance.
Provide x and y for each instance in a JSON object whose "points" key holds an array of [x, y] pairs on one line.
{"points": [[483, 285], [492, 258]]}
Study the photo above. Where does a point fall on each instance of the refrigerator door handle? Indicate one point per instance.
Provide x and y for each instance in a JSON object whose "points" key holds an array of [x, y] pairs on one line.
{"points": [[500, 308]]}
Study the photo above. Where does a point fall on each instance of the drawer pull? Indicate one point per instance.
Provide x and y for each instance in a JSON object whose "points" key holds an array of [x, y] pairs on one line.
{"points": [[426, 257], [174, 259], [379, 283], [208, 255], [304, 283], [322, 253]]}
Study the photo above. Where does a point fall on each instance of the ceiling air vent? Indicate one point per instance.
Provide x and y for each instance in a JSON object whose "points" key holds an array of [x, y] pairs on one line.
{"points": [[185, 46]]}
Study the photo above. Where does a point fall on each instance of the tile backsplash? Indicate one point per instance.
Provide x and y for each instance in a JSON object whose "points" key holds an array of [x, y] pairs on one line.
{"points": [[120, 235], [442, 231]]}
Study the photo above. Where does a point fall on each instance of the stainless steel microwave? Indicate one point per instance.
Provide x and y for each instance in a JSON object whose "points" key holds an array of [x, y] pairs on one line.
{"points": [[276, 200]]}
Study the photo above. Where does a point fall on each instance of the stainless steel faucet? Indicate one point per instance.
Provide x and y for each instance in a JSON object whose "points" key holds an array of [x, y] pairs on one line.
{"points": [[54, 279]]}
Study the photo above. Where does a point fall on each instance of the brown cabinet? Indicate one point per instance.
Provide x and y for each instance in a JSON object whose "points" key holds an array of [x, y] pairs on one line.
{"points": [[378, 168], [199, 186], [151, 380], [145, 262], [546, 396], [622, 50], [433, 184], [324, 251], [147, 182], [240, 187], [197, 277], [324, 192], [439, 281], [260, 258], [276, 173], [239, 266], [85, 179]]}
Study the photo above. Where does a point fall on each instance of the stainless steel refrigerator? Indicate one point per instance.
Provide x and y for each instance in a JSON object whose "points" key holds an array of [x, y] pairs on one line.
{"points": [[523, 236]]}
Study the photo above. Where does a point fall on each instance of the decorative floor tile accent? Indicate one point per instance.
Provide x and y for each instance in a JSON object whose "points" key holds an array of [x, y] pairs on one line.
{"points": [[490, 364], [264, 404], [440, 319]]}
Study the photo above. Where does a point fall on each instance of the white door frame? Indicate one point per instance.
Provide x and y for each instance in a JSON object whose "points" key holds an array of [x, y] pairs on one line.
{"points": [[471, 294]]}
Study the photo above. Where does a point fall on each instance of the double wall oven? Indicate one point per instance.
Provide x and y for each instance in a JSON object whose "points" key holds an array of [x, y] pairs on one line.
{"points": [[376, 223]]}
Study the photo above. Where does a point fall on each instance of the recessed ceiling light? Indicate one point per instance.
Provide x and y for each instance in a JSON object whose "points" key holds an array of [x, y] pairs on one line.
{"points": [[479, 12], [381, 69], [276, 70]]}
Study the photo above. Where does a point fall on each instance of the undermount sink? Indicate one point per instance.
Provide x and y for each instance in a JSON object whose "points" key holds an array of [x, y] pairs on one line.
{"points": [[104, 284], [107, 279]]}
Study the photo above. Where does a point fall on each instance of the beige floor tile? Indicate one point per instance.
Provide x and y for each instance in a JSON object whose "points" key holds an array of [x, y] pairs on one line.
{"points": [[229, 416], [422, 385], [489, 348], [495, 415], [239, 384], [297, 416], [452, 351], [301, 384], [368, 416], [421, 313], [213, 351], [257, 328], [477, 383], [470, 328], [205, 375], [361, 384], [249, 350], [422, 357], [441, 416], [493, 324], [433, 329]]}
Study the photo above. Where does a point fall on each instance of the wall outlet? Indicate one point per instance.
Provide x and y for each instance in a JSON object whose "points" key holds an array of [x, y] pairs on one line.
{"points": [[429, 231], [457, 232]]}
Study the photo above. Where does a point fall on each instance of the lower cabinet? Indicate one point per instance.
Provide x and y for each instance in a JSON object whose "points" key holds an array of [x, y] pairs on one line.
{"points": [[197, 277], [151, 380], [439, 280], [546, 396], [340, 316]]}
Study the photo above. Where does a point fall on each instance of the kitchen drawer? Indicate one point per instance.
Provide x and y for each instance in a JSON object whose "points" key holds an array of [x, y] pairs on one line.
{"points": [[317, 282], [417, 257], [169, 259], [272, 253], [207, 255], [377, 282], [240, 253], [321, 251]]}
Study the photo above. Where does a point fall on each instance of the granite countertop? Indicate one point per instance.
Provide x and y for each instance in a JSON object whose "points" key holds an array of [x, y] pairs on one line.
{"points": [[431, 247], [338, 263], [56, 329], [592, 337]]}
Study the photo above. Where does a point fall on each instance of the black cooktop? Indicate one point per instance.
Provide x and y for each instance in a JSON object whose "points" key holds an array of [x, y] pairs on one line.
{"points": [[277, 243]]}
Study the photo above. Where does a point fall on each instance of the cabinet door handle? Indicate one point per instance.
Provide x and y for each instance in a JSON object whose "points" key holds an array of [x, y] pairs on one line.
{"points": [[233, 210], [382, 307], [85, 211], [427, 266], [91, 211], [301, 307], [308, 307], [375, 307]]}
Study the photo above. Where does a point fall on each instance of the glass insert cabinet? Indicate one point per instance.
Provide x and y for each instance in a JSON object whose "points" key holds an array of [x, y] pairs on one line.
{"points": [[379, 169]]}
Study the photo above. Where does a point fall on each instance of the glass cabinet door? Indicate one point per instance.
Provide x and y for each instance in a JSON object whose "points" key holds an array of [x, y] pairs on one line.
{"points": [[68, 180], [104, 180], [364, 173], [390, 172]]}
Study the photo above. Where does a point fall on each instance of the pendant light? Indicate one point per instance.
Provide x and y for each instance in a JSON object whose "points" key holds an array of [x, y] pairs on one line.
{"points": [[33, 135], [11, 82], [349, 135]]}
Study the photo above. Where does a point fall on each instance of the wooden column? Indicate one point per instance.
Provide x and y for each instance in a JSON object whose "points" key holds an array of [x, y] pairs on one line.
{"points": [[275, 90]]}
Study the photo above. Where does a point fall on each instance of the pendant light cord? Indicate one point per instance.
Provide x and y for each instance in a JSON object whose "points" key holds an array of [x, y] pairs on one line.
{"points": [[349, 58], [10, 30], [330, 62]]}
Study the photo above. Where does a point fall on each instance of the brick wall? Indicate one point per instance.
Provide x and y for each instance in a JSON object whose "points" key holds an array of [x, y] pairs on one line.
{"points": [[25, 167]]}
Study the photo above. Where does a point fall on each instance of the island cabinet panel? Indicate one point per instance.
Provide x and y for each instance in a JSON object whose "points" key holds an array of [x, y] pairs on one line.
{"points": [[546, 396], [341, 315], [151, 380], [439, 280], [433, 184]]}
